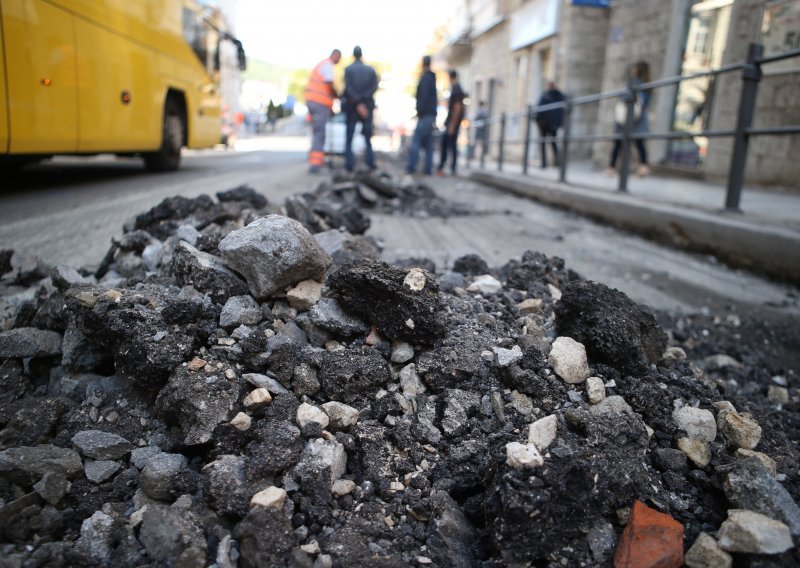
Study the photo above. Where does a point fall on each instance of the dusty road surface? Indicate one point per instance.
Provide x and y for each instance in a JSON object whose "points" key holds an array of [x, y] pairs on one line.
{"points": [[66, 211]]}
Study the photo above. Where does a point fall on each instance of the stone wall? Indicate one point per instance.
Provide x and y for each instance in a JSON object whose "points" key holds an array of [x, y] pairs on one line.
{"points": [[583, 35], [491, 59], [638, 30], [771, 159]]}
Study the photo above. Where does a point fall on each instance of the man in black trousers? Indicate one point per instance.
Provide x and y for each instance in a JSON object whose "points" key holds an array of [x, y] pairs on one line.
{"points": [[549, 121]]}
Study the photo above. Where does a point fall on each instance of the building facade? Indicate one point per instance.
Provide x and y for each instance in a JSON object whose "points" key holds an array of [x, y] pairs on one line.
{"points": [[506, 51]]}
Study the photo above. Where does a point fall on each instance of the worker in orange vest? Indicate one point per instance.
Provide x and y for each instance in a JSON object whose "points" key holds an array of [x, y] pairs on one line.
{"points": [[320, 94]]}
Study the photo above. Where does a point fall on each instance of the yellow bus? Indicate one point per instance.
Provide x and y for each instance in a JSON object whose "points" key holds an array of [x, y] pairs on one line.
{"points": [[130, 77]]}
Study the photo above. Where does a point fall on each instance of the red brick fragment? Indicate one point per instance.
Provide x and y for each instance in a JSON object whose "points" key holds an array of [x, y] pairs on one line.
{"points": [[651, 540]]}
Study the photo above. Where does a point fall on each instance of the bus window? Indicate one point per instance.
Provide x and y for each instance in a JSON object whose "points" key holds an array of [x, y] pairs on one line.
{"points": [[201, 36]]}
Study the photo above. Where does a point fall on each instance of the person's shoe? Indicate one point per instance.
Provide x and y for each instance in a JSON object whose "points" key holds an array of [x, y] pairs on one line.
{"points": [[643, 171], [440, 173], [610, 172]]}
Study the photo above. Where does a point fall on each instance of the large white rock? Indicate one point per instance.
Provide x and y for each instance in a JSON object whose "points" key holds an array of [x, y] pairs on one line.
{"points": [[595, 390], [303, 296], [542, 432], [321, 454], [273, 253], [697, 450], [410, 381], [519, 455], [485, 284], [706, 553], [696, 422], [341, 415], [271, 498], [309, 413], [740, 429], [568, 359], [753, 533]]}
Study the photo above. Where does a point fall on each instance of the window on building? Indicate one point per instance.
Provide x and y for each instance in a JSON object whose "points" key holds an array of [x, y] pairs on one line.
{"points": [[701, 43]]}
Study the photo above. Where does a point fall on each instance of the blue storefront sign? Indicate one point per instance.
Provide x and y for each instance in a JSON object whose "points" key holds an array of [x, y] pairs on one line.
{"points": [[592, 3]]}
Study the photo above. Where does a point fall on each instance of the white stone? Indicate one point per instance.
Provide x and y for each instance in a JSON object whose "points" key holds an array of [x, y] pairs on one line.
{"points": [[521, 403], [402, 352], [696, 450], [270, 498], [595, 390], [410, 381], [706, 553], [520, 456], [311, 548], [674, 354], [529, 306], [720, 361], [241, 421], [343, 487], [415, 279], [327, 453], [555, 293], [568, 359], [341, 415], [507, 356], [486, 284], [309, 413], [542, 432], [303, 296], [611, 406], [778, 395], [741, 430], [696, 422], [753, 533], [257, 398]]}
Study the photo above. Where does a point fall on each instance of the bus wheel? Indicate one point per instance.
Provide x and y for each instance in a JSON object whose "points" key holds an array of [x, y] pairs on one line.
{"points": [[168, 156]]}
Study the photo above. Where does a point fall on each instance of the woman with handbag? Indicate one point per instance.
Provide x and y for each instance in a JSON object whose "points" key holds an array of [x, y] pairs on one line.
{"points": [[640, 71]]}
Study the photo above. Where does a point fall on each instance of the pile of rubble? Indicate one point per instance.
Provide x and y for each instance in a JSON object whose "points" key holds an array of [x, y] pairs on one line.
{"points": [[245, 384]]}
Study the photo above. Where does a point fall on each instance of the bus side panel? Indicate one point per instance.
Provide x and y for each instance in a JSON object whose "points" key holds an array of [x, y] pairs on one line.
{"points": [[158, 25], [110, 67], [42, 82], [3, 97], [205, 124]]}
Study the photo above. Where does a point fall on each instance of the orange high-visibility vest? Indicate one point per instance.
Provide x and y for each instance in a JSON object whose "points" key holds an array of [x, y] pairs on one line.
{"points": [[318, 90]]}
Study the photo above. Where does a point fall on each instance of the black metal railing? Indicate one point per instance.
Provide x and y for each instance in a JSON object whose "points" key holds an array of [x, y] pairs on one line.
{"points": [[741, 133]]}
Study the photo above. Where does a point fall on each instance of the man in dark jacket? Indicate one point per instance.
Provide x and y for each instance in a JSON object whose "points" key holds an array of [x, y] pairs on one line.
{"points": [[549, 121], [452, 124], [426, 117], [360, 84]]}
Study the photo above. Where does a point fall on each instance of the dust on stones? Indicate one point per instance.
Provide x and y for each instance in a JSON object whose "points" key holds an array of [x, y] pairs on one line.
{"points": [[386, 411]]}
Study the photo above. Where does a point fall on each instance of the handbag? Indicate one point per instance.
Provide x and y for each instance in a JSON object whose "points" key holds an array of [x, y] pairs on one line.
{"points": [[621, 111]]}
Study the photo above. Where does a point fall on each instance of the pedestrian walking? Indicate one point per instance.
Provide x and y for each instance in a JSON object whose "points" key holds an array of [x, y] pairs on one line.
{"points": [[640, 72], [320, 94], [481, 122], [358, 103], [550, 120], [455, 112], [426, 118]]}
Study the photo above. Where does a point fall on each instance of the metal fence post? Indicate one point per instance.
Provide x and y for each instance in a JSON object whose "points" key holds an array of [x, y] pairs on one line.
{"points": [[626, 136], [502, 142], [528, 120], [751, 75], [562, 164], [485, 141]]}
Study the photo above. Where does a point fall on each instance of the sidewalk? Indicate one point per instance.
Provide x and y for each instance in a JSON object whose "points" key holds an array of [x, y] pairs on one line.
{"points": [[687, 213]]}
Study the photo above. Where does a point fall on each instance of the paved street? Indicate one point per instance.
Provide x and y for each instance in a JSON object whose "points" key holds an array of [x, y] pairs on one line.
{"points": [[67, 211]]}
